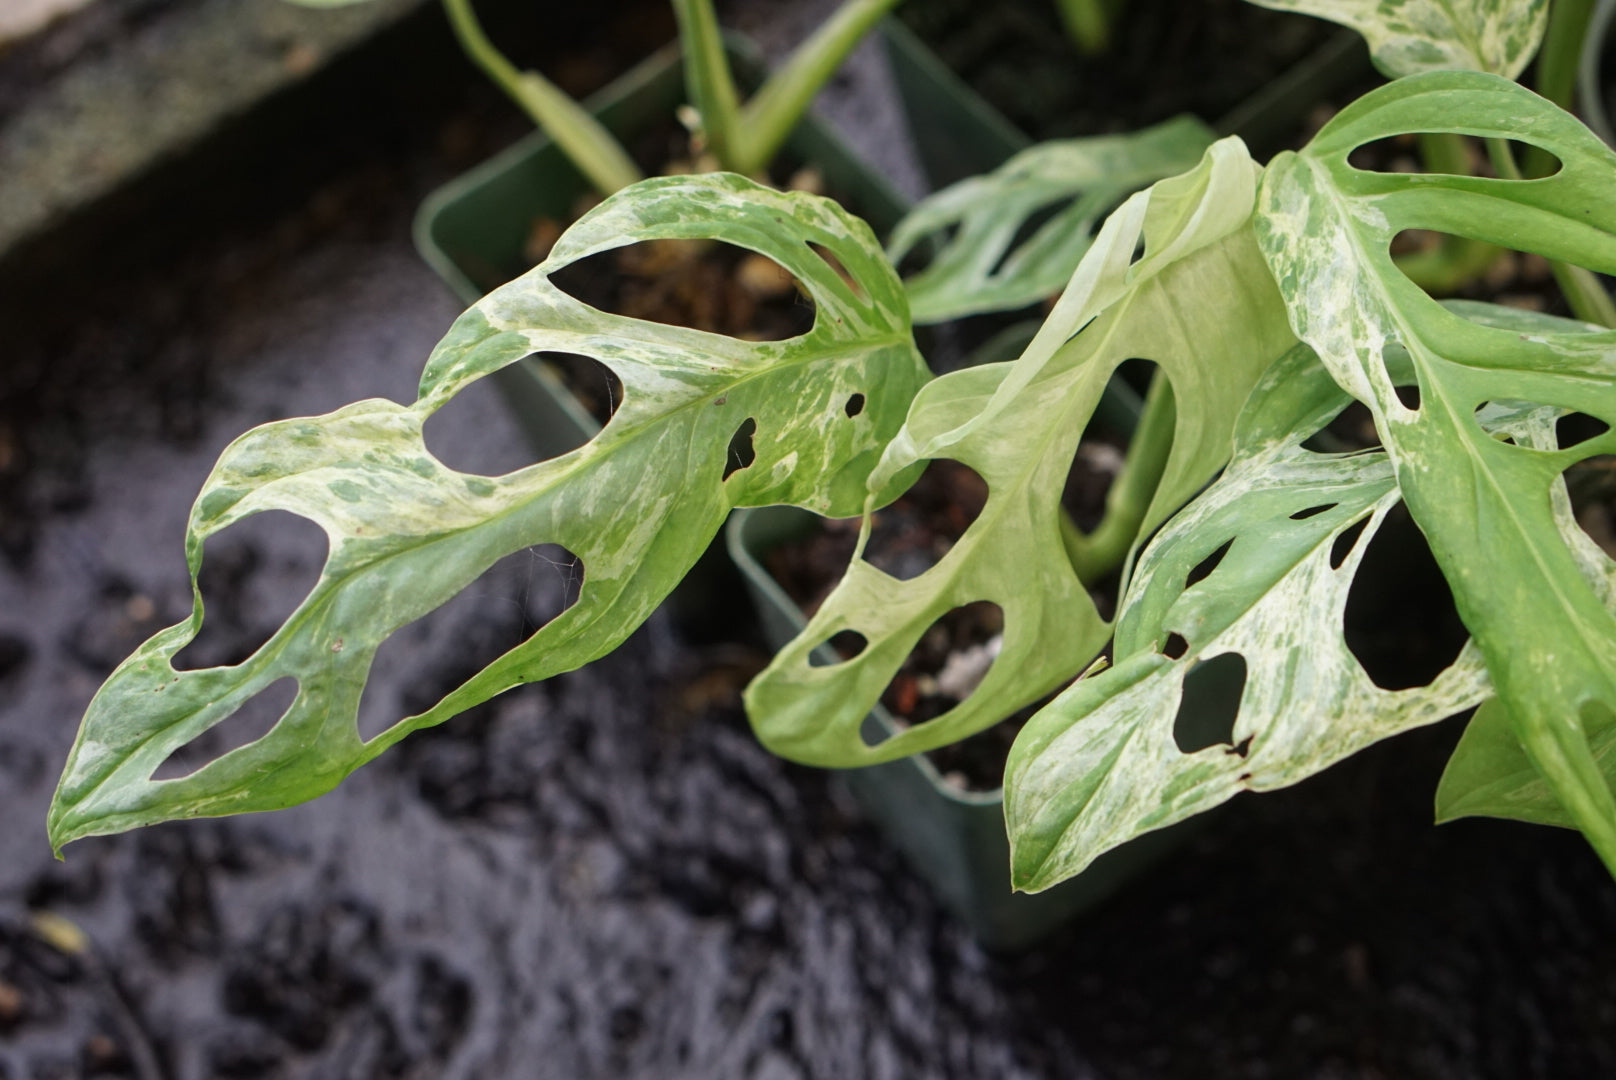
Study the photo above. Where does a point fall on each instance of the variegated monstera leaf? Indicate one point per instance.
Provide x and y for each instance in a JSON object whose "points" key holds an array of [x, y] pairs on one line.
{"points": [[1529, 593], [1200, 303], [637, 504], [996, 258], [1407, 37]]}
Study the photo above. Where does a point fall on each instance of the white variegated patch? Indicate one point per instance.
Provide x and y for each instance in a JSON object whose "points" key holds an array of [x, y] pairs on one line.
{"points": [[1407, 37]]}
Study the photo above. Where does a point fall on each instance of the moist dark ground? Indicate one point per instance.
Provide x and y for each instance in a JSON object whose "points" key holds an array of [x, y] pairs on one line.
{"points": [[604, 876]]}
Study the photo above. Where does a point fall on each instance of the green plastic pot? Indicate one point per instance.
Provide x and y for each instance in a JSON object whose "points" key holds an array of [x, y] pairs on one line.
{"points": [[958, 134], [472, 229]]}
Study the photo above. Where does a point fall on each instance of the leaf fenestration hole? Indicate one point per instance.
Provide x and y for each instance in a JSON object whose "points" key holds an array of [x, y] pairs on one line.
{"points": [[741, 453], [948, 662], [423, 661], [854, 406], [255, 574], [251, 722], [912, 534], [1203, 569], [844, 644], [1311, 511], [1400, 620], [1345, 541], [1028, 229], [456, 433], [835, 264], [596, 386], [1574, 429], [705, 285], [1409, 396], [1351, 431], [1449, 265], [925, 250], [1403, 154], [1211, 703], [1176, 647]]}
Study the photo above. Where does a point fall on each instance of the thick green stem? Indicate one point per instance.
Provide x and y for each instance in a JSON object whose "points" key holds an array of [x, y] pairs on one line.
{"points": [[777, 106], [1088, 23], [1589, 299], [1102, 551], [1557, 64], [593, 149], [709, 81]]}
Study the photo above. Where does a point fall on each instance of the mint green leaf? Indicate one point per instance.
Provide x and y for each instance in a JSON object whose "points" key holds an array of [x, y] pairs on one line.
{"points": [[1407, 37], [981, 268], [1487, 506], [1199, 303], [1100, 765], [1490, 775], [637, 504]]}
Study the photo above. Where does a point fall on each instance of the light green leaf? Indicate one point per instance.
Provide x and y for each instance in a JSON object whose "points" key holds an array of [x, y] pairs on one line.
{"points": [[1407, 37], [637, 504], [1200, 304], [1486, 505], [982, 268], [1490, 775], [1101, 765]]}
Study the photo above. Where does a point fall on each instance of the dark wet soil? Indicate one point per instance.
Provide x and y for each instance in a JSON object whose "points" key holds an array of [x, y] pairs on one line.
{"points": [[604, 876]]}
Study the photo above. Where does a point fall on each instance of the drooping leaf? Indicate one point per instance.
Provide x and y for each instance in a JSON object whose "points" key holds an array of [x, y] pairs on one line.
{"points": [[1200, 304], [1407, 37], [637, 504], [982, 267], [1486, 505], [1101, 763]]}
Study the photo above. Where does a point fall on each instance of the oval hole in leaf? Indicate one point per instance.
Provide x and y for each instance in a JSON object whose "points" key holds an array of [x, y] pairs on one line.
{"points": [[852, 283], [1203, 569], [1345, 541], [1211, 702], [1451, 266], [741, 453], [920, 527], [457, 433], [1311, 511], [256, 717], [422, 662], [1028, 229], [842, 645], [1400, 621], [922, 253], [1591, 484], [1403, 154], [946, 664], [854, 406], [1409, 396], [255, 573], [596, 386], [1351, 431], [701, 284]]}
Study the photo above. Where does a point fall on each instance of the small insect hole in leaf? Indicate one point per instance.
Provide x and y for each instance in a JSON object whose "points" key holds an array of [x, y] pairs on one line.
{"points": [[423, 661], [741, 453], [947, 663], [1210, 704], [700, 284], [854, 406], [255, 574], [1242, 748], [256, 717], [1203, 569], [1311, 511], [1345, 541], [1176, 647], [840, 647], [1400, 621]]}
